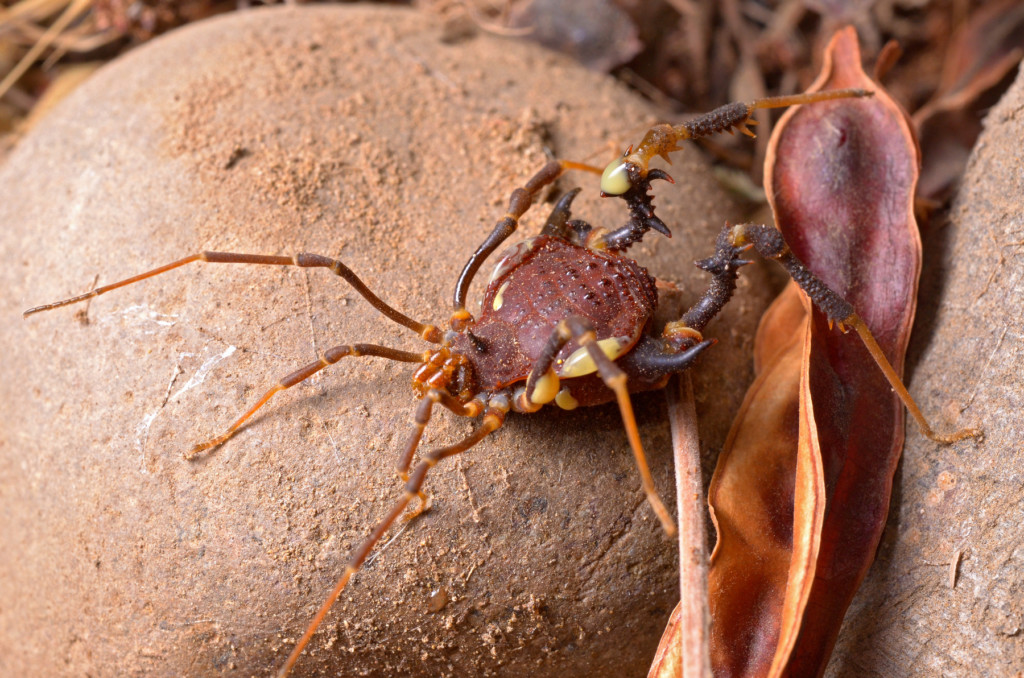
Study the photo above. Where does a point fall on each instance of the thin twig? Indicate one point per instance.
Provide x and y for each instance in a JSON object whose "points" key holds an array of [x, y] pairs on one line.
{"points": [[693, 555], [954, 566], [74, 10]]}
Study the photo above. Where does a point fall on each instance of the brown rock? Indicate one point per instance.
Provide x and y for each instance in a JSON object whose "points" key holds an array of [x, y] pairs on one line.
{"points": [[357, 132], [946, 595]]}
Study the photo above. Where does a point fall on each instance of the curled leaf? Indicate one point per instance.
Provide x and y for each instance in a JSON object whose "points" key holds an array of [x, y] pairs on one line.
{"points": [[802, 488], [776, 328], [752, 499], [843, 179], [668, 660]]}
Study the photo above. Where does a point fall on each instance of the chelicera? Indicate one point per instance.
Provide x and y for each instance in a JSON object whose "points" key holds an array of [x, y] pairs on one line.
{"points": [[566, 318]]}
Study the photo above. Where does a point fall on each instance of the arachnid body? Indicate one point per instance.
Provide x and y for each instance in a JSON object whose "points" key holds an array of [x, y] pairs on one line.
{"points": [[548, 332]]}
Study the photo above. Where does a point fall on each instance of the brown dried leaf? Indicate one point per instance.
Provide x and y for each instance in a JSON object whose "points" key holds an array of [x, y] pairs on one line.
{"points": [[668, 660], [817, 428], [982, 53], [842, 179], [775, 330], [752, 499]]}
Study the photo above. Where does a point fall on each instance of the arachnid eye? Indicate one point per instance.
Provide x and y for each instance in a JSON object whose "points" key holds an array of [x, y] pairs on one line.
{"points": [[615, 178]]}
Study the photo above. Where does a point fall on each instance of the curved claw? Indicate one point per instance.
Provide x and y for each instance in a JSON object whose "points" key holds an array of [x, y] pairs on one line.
{"points": [[660, 174], [721, 261], [557, 223], [658, 225], [655, 357], [565, 202]]}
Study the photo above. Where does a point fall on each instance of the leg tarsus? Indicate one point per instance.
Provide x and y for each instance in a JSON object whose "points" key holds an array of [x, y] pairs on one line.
{"points": [[493, 419], [303, 259], [113, 286], [331, 356], [786, 101], [901, 391], [425, 504], [770, 243], [582, 332]]}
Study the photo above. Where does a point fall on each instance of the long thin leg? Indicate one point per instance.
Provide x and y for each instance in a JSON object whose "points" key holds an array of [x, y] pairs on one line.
{"points": [[303, 259], [542, 384], [628, 175], [494, 417], [737, 115], [664, 139], [615, 379], [472, 410], [331, 356], [769, 243], [520, 201]]}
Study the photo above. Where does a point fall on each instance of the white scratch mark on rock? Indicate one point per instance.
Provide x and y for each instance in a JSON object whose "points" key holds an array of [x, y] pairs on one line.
{"points": [[141, 314], [142, 430], [204, 369]]}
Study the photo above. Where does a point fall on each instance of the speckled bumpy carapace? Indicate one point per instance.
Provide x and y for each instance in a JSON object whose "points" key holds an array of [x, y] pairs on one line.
{"points": [[566, 317]]}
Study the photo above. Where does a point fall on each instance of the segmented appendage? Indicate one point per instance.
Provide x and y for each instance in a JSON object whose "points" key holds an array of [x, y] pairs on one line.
{"points": [[663, 139]]}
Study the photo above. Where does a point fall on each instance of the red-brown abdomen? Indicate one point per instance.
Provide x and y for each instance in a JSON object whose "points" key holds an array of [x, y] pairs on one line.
{"points": [[540, 282]]}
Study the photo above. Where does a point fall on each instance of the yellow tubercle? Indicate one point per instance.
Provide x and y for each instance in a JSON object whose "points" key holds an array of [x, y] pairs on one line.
{"points": [[546, 389], [565, 400], [580, 363], [499, 298]]}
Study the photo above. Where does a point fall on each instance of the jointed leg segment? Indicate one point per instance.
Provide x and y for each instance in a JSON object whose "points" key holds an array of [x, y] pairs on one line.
{"points": [[330, 357], [769, 243], [664, 139], [472, 409], [580, 330], [520, 201], [493, 418], [615, 379], [304, 259]]}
